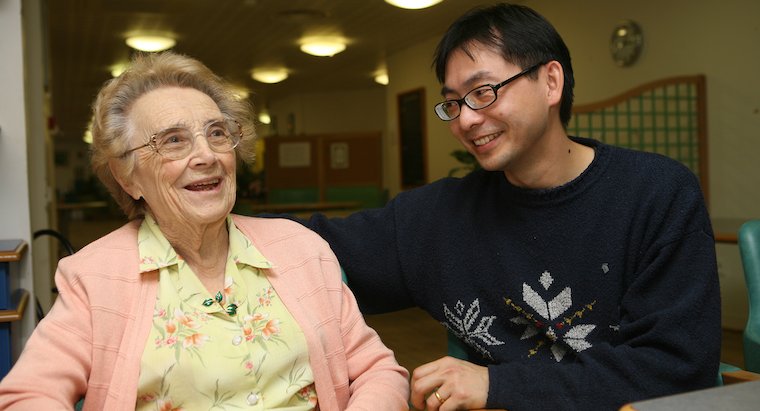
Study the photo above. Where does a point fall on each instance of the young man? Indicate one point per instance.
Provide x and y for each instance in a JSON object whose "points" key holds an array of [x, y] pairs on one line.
{"points": [[579, 275]]}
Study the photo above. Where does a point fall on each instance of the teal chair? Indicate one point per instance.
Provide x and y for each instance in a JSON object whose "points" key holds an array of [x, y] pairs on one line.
{"points": [[749, 248]]}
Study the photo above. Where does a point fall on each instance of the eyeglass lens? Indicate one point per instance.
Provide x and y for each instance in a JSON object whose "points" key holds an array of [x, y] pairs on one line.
{"points": [[476, 99], [176, 143]]}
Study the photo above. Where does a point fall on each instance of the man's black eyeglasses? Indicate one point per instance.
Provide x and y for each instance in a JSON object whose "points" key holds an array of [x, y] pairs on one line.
{"points": [[478, 98]]}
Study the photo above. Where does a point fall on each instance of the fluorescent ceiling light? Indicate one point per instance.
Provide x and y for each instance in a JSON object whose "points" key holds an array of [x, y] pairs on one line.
{"points": [[150, 43], [413, 4], [323, 46], [269, 75]]}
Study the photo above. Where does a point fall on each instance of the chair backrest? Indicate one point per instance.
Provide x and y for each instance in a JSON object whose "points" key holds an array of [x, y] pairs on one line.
{"points": [[749, 247]]}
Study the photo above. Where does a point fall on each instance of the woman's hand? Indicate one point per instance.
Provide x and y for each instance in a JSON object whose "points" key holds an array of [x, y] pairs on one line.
{"points": [[449, 384]]}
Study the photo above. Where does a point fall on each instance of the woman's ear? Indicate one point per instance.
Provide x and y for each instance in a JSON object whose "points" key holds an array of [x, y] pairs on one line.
{"points": [[117, 170], [555, 80]]}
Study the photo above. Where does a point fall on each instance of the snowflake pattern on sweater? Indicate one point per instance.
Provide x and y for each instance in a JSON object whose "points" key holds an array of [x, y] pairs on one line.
{"points": [[548, 322], [461, 322], [551, 323]]}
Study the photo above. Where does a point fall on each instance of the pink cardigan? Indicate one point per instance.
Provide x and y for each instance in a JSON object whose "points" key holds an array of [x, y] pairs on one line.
{"points": [[93, 338]]}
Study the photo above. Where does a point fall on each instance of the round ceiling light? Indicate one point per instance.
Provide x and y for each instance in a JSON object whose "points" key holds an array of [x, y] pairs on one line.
{"points": [[117, 69], [264, 117], [150, 43], [382, 78], [323, 46], [413, 4], [269, 75]]}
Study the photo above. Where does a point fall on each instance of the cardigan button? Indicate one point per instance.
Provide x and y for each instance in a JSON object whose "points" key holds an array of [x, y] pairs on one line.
{"points": [[252, 398], [237, 340]]}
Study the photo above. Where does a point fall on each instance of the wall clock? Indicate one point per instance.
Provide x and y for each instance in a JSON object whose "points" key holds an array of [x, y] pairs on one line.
{"points": [[626, 42]]}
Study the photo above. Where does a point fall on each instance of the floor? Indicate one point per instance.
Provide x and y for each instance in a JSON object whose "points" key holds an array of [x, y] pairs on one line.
{"points": [[413, 336], [417, 339]]}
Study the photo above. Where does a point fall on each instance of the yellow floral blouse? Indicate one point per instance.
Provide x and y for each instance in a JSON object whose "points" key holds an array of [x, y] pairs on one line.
{"points": [[239, 349]]}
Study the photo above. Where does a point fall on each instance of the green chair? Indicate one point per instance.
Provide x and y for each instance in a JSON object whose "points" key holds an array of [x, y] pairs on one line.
{"points": [[293, 195], [749, 248]]}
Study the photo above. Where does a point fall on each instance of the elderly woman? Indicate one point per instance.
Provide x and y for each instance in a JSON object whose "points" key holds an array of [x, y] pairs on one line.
{"points": [[188, 306]]}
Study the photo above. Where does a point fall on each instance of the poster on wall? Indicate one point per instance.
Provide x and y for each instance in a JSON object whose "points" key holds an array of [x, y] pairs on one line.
{"points": [[296, 154], [339, 156]]}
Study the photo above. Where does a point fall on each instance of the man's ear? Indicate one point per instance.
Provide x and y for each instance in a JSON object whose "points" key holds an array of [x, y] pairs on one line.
{"points": [[555, 81], [117, 170]]}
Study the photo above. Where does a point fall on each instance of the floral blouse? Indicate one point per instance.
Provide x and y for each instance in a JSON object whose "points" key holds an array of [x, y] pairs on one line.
{"points": [[239, 349]]}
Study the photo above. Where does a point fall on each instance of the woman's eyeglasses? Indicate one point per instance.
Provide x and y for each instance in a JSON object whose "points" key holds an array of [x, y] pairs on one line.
{"points": [[177, 142]]}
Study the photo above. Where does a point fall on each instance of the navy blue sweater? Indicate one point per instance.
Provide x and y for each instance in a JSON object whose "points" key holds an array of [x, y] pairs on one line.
{"points": [[586, 296]]}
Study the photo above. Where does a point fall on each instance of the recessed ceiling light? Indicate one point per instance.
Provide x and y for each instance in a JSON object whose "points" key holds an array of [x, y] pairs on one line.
{"points": [[117, 69], [87, 137], [264, 117], [323, 45], [413, 4], [150, 43], [240, 92], [382, 78], [269, 75]]}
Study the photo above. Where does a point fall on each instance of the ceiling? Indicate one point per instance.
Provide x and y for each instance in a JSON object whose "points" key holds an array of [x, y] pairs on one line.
{"points": [[86, 37]]}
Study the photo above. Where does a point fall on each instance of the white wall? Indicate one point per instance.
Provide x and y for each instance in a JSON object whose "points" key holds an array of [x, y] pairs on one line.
{"points": [[14, 184], [39, 151], [712, 37]]}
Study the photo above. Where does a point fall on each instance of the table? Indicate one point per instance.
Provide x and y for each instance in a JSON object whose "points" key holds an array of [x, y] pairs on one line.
{"points": [[12, 302], [735, 397]]}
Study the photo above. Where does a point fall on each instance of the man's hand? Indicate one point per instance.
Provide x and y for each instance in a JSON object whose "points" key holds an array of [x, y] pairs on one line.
{"points": [[449, 384]]}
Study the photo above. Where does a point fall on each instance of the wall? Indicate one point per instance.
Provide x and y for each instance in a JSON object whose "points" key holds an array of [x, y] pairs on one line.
{"points": [[338, 112], [14, 183], [716, 38], [410, 69], [39, 152]]}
